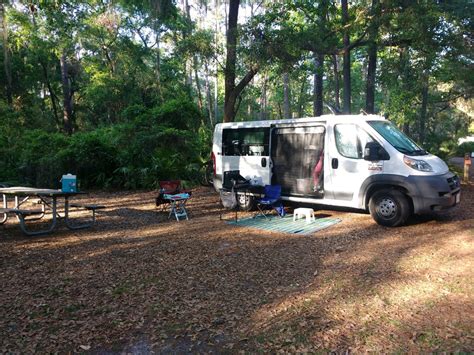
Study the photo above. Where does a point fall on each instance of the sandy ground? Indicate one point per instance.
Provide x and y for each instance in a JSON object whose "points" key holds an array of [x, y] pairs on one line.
{"points": [[140, 283]]}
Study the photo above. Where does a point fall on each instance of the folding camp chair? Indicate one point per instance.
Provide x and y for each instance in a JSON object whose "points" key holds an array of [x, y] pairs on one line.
{"points": [[232, 183], [271, 199], [233, 179], [229, 201]]}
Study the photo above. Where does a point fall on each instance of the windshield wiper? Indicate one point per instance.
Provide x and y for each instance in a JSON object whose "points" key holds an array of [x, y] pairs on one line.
{"points": [[411, 152], [419, 152], [402, 150]]}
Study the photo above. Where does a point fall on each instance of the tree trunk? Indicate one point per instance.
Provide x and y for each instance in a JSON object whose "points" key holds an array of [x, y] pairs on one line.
{"points": [[157, 27], [6, 56], [226, 15], [263, 100], [52, 96], [109, 60], [208, 95], [406, 127], [198, 84], [346, 66], [216, 79], [216, 95], [286, 96], [404, 80], [372, 59], [301, 98], [337, 88], [318, 85], [423, 110], [194, 61], [232, 91], [230, 97], [371, 70], [67, 95]]}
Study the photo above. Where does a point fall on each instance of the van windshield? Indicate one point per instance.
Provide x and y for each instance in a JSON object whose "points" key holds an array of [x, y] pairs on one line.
{"points": [[397, 138]]}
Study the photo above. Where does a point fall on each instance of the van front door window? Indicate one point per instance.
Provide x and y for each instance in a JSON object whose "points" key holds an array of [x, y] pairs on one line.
{"points": [[351, 140]]}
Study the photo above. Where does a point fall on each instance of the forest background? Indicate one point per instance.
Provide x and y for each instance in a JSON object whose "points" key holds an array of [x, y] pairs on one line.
{"points": [[125, 93]]}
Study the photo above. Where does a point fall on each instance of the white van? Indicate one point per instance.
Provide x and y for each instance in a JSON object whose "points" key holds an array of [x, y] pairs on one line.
{"points": [[356, 161]]}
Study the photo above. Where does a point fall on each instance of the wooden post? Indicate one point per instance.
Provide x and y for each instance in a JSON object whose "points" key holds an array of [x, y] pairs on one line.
{"points": [[467, 166]]}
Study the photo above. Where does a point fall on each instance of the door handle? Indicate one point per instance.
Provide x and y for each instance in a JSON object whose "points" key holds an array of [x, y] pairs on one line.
{"points": [[334, 163], [263, 162]]}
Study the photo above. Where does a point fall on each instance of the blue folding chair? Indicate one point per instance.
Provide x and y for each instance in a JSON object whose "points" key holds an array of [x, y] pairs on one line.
{"points": [[271, 199]]}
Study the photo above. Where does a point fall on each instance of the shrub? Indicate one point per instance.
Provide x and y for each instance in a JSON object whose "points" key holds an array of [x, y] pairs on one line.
{"points": [[165, 142], [179, 113], [40, 160], [91, 157], [466, 147]]}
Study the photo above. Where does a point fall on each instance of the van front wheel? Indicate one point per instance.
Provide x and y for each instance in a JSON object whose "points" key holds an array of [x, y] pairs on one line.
{"points": [[389, 208]]}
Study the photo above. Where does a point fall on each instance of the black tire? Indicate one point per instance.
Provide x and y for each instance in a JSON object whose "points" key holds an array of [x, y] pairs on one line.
{"points": [[208, 174], [246, 202], [389, 208]]}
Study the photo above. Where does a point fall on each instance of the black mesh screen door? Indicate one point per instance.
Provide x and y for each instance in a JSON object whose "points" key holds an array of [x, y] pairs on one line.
{"points": [[297, 155]]}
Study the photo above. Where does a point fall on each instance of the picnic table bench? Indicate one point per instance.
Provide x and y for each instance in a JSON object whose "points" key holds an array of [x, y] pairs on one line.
{"points": [[89, 207], [20, 212], [47, 198]]}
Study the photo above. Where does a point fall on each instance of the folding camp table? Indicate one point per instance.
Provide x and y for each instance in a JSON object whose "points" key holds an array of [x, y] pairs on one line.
{"points": [[177, 205]]}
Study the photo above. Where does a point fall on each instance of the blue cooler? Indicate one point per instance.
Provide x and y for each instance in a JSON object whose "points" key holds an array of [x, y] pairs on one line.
{"points": [[69, 183]]}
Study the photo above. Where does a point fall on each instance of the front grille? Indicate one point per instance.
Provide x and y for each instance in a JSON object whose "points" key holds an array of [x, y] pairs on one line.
{"points": [[453, 182]]}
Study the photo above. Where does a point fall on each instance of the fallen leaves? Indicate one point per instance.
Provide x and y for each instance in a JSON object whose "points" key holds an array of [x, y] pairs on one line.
{"points": [[138, 282]]}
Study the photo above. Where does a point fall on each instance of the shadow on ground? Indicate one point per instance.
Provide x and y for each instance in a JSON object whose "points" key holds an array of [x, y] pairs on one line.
{"points": [[139, 282]]}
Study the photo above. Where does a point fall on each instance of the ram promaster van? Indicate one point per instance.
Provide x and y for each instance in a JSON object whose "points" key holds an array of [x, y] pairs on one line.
{"points": [[356, 161]]}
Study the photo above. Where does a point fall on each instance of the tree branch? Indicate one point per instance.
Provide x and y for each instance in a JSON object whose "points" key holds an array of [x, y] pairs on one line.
{"points": [[245, 80]]}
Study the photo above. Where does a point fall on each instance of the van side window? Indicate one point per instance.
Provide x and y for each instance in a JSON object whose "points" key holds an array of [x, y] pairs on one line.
{"points": [[351, 140], [245, 141]]}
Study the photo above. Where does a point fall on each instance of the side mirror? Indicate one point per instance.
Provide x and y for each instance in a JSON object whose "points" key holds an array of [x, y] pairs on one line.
{"points": [[373, 151]]}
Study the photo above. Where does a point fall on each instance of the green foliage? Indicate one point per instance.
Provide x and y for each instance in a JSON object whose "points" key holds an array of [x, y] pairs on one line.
{"points": [[91, 157], [466, 147], [142, 76], [180, 114], [40, 158], [156, 144]]}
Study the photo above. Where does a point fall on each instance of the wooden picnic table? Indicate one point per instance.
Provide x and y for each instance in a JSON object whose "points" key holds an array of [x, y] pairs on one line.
{"points": [[48, 199]]}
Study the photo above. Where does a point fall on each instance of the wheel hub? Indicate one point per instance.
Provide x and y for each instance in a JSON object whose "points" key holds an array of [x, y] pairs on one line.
{"points": [[387, 208], [242, 199]]}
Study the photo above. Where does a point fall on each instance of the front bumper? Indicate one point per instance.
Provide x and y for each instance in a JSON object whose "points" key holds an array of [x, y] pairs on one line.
{"points": [[434, 193]]}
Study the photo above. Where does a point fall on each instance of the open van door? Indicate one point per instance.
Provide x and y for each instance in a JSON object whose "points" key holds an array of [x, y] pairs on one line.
{"points": [[247, 150], [298, 158]]}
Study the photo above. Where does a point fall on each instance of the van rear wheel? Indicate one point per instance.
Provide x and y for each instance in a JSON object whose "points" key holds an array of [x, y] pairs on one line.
{"points": [[389, 208], [246, 202]]}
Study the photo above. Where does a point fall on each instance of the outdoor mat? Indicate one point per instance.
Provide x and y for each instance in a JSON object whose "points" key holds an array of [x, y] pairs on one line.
{"points": [[286, 224]]}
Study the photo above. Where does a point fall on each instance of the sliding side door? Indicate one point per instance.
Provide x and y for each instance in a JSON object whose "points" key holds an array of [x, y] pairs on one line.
{"points": [[298, 158]]}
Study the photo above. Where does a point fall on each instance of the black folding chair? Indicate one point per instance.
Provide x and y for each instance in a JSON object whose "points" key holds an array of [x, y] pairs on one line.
{"points": [[233, 181], [229, 202]]}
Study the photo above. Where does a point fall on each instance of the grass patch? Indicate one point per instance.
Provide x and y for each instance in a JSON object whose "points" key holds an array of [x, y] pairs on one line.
{"points": [[121, 289]]}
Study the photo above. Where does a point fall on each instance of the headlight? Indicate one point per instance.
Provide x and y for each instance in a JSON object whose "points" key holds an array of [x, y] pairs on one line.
{"points": [[416, 164]]}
